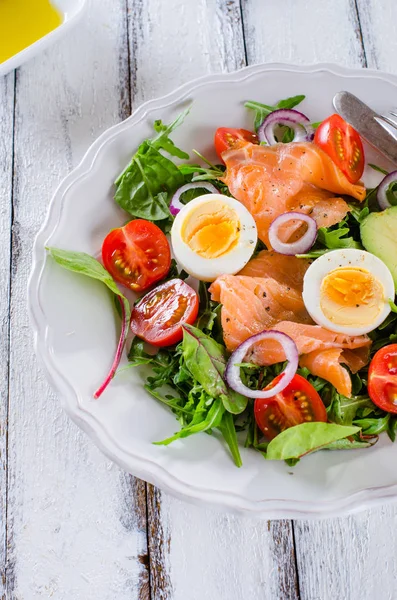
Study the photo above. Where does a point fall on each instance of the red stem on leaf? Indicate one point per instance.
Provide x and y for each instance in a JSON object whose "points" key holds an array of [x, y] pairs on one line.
{"points": [[119, 352]]}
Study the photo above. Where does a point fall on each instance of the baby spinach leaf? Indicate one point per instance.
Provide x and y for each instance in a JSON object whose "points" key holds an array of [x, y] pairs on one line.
{"points": [[297, 441], [84, 264], [140, 191], [144, 187], [206, 360]]}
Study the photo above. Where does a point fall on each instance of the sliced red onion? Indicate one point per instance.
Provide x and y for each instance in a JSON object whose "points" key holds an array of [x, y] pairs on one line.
{"points": [[232, 373], [176, 205], [383, 190], [302, 245], [292, 118]]}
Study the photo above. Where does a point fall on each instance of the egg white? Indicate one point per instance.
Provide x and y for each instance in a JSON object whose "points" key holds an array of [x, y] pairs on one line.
{"points": [[335, 259], [208, 269]]}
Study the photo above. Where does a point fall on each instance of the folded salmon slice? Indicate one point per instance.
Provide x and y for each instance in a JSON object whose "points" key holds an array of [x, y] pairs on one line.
{"points": [[308, 339], [252, 304], [328, 364], [273, 180], [288, 270]]}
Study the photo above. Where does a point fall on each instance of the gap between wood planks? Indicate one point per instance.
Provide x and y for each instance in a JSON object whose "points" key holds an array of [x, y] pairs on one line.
{"points": [[6, 567]]}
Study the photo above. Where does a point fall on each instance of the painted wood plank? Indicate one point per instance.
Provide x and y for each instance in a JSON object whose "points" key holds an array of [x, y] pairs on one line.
{"points": [[77, 524], [6, 148], [197, 553], [378, 25], [217, 555], [352, 558], [299, 32]]}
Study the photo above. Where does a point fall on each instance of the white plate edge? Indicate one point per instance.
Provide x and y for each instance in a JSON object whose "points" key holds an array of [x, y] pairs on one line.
{"points": [[142, 467]]}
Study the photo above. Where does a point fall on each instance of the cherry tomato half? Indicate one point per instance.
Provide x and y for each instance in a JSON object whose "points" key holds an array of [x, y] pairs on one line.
{"points": [[226, 137], [297, 403], [137, 255], [343, 144], [382, 378], [158, 317]]}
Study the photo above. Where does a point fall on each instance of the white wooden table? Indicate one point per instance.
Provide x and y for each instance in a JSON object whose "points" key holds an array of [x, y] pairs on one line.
{"points": [[72, 525]]}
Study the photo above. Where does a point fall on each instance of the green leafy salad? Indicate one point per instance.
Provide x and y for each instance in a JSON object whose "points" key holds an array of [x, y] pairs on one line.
{"points": [[272, 323]]}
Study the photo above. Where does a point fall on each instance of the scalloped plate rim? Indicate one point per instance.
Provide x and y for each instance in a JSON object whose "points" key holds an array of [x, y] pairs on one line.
{"points": [[142, 467]]}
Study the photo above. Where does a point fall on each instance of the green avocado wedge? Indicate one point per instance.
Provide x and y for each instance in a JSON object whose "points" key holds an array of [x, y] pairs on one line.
{"points": [[379, 236]]}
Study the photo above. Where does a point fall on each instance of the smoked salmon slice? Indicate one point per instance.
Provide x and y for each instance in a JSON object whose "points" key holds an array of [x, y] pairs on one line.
{"points": [[252, 304], [299, 176], [308, 339], [288, 270], [328, 364]]}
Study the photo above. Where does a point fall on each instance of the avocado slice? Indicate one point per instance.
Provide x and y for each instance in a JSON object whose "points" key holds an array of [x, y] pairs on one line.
{"points": [[379, 236]]}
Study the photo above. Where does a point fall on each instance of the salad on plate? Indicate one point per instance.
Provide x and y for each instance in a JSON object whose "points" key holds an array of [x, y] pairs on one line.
{"points": [[258, 293]]}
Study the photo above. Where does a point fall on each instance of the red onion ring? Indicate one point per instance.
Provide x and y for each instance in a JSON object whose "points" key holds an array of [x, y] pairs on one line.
{"points": [[293, 119], [302, 245], [384, 185], [176, 205], [232, 373]]}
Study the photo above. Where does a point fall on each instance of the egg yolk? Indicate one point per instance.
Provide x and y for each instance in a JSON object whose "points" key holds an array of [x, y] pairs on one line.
{"points": [[351, 296], [211, 229]]}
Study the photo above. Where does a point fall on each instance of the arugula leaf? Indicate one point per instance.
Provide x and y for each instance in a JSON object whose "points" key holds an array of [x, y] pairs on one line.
{"points": [[335, 238], [84, 264], [228, 430], [373, 426], [262, 110], [297, 441], [377, 168], [213, 419], [343, 411], [391, 428], [206, 360]]}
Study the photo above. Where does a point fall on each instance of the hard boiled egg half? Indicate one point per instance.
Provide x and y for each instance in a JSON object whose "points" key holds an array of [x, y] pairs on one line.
{"points": [[213, 235], [348, 291]]}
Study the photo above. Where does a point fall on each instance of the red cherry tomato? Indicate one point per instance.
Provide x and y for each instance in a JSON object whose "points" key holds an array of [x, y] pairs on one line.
{"points": [[382, 378], [297, 403], [343, 144], [137, 255], [158, 317], [226, 137]]}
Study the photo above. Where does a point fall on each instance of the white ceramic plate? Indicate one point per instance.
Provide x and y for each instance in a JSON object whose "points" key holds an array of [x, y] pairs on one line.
{"points": [[71, 11], [75, 329]]}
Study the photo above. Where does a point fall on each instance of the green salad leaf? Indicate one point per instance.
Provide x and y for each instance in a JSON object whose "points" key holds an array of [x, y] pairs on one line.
{"points": [[84, 264], [206, 360], [297, 441], [146, 184], [262, 110]]}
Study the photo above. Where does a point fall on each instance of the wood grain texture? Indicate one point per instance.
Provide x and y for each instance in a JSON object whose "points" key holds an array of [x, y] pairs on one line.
{"points": [[76, 523], [6, 164], [173, 42], [218, 556], [378, 21], [302, 32]]}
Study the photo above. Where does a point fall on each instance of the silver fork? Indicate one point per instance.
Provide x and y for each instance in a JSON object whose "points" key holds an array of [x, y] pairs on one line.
{"points": [[389, 122]]}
